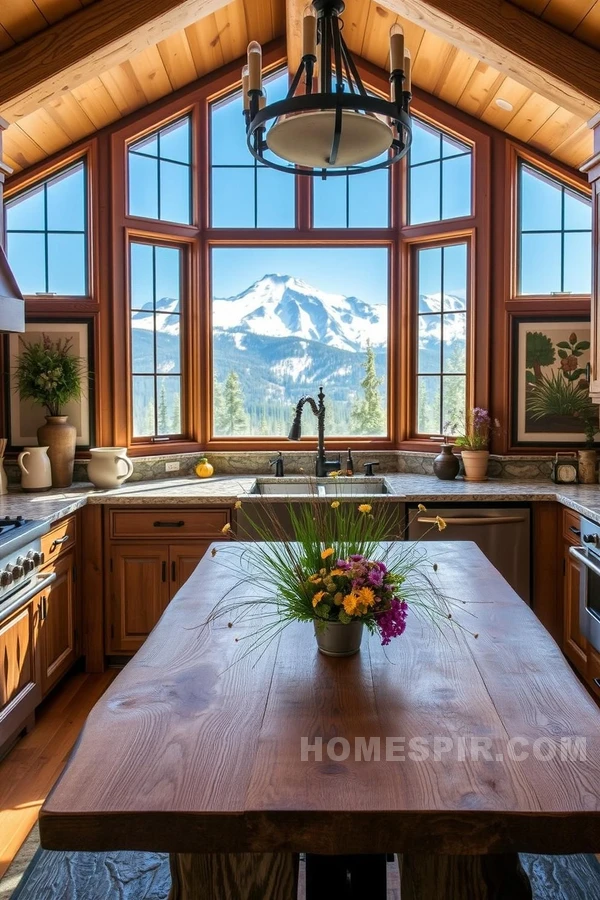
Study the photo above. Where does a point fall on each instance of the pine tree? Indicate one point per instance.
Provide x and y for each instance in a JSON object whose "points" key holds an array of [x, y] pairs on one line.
{"points": [[235, 419], [176, 415], [163, 416], [368, 415], [219, 426]]}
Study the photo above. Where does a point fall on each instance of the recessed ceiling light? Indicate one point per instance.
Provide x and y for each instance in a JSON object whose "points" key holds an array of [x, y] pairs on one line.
{"points": [[504, 104]]}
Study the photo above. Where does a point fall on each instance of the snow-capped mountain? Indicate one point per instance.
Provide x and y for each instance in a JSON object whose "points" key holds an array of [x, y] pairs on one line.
{"points": [[280, 306]]}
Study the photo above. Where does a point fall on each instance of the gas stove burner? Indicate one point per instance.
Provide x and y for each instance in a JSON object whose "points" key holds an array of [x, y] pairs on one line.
{"points": [[9, 523]]}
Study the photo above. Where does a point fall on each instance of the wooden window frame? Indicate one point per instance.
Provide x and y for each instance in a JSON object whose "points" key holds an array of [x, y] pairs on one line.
{"points": [[491, 228]]}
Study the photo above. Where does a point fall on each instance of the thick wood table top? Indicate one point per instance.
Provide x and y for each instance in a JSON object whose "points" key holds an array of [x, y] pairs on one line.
{"points": [[186, 753]]}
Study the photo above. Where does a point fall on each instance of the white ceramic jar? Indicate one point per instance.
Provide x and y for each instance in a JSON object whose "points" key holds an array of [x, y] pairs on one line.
{"points": [[36, 473], [109, 467]]}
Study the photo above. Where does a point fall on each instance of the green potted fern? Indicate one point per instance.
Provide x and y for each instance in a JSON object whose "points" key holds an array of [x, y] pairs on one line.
{"points": [[50, 375]]}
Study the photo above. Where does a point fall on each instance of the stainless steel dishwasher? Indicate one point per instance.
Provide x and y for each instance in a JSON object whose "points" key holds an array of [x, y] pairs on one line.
{"points": [[501, 531]]}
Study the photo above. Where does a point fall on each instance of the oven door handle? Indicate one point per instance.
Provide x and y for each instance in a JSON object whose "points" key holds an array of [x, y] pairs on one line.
{"points": [[23, 598], [582, 557], [472, 520]]}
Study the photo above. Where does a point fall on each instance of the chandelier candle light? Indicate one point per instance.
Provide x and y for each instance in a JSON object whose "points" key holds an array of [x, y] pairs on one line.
{"points": [[339, 129]]}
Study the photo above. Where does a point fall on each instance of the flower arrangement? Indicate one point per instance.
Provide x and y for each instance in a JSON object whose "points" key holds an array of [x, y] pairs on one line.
{"points": [[479, 430], [49, 374], [345, 563]]}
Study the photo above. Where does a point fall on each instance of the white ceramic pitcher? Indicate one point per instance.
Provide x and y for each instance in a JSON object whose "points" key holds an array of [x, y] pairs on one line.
{"points": [[105, 469], [36, 474]]}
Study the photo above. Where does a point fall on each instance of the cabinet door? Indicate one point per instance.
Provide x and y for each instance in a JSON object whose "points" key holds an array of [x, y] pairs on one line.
{"points": [[184, 558], [57, 624], [19, 680], [139, 594], [575, 645]]}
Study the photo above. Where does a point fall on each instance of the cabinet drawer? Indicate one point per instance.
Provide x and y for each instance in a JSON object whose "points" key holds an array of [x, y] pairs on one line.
{"points": [[571, 524], [167, 524], [59, 540]]}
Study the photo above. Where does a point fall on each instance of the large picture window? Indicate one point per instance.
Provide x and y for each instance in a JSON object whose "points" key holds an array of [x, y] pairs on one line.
{"points": [[555, 236], [441, 338], [286, 320], [155, 323], [46, 234]]}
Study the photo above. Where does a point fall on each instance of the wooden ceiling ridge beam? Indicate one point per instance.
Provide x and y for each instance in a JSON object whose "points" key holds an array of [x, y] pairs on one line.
{"points": [[506, 37], [87, 44]]}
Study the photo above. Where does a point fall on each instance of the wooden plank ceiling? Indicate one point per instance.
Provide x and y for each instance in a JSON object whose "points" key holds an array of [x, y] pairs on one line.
{"points": [[439, 68]]}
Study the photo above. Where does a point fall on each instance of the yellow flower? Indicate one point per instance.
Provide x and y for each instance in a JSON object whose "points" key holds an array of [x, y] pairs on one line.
{"points": [[365, 508], [226, 528], [238, 504], [335, 474], [315, 579], [337, 572], [317, 598], [357, 603], [441, 523], [422, 508], [325, 554], [335, 504], [338, 598]]}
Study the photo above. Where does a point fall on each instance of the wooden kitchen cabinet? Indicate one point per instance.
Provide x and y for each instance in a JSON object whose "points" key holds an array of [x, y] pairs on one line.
{"points": [[151, 553], [574, 644], [57, 637], [140, 591], [183, 559], [19, 676]]}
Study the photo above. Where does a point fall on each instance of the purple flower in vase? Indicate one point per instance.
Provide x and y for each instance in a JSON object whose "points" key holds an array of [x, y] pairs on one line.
{"points": [[375, 577]]}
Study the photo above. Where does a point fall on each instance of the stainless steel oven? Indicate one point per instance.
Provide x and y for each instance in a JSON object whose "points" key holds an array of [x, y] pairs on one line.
{"points": [[588, 554]]}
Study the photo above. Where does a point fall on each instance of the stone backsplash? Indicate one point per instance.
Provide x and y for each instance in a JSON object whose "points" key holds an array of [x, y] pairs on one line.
{"points": [[297, 463]]}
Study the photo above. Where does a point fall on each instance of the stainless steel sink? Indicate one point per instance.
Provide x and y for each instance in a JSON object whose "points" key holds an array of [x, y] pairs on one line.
{"points": [[310, 487], [353, 487], [284, 487]]}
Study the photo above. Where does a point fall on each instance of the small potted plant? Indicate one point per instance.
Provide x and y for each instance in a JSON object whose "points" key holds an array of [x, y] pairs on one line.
{"points": [[50, 375], [588, 459], [475, 442]]}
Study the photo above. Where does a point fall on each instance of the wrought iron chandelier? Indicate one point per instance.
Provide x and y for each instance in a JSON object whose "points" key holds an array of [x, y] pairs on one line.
{"points": [[338, 128]]}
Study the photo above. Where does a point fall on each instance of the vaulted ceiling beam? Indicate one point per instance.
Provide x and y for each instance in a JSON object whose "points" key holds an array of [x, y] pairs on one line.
{"points": [[86, 44], [531, 51]]}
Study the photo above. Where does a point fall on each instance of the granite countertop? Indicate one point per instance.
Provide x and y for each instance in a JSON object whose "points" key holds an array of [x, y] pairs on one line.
{"points": [[226, 489]]}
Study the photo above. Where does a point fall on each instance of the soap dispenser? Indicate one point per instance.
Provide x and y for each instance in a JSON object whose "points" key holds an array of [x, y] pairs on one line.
{"points": [[349, 464]]}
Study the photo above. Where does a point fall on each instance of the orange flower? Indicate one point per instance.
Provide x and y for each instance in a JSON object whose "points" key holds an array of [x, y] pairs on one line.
{"points": [[357, 603], [365, 508], [317, 598], [325, 554]]}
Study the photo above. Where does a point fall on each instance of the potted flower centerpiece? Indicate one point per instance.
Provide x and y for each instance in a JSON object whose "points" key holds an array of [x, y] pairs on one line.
{"points": [[475, 442], [49, 374], [339, 571]]}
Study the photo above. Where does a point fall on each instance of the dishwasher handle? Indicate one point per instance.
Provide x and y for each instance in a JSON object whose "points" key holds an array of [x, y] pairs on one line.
{"points": [[473, 520]]}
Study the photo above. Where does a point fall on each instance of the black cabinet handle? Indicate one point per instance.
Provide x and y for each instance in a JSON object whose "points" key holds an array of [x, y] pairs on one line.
{"points": [[164, 571], [179, 524], [575, 531], [173, 571]]}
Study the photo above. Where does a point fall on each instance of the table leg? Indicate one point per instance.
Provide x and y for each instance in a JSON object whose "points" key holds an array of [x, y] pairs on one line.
{"points": [[234, 876], [486, 877]]}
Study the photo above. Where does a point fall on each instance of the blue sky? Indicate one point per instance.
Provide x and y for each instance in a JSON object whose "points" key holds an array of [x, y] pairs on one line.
{"points": [[353, 271]]}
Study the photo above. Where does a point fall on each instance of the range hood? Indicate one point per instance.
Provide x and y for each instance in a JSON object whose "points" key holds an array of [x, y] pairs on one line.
{"points": [[12, 305]]}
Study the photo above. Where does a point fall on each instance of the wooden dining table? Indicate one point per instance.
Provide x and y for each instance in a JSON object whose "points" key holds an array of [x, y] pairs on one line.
{"points": [[235, 763]]}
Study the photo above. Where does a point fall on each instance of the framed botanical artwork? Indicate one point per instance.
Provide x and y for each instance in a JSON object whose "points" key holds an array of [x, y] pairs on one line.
{"points": [[550, 388], [24, 416]]}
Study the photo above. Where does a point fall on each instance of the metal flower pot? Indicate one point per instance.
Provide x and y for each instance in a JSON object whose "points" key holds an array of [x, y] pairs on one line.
{"points": [[337, 639]]}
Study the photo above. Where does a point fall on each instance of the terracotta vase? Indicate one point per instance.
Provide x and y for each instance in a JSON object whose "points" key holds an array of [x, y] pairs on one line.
{"points": [[59, 436], [588, 464], [446, 465], [475, 463]]}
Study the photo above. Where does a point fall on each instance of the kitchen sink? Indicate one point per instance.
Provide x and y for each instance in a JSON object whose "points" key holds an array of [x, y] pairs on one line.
{"points": [[309, 487]]}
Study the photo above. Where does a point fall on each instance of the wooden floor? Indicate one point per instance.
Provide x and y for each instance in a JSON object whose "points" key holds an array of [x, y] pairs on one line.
{"points": [[36, 761]]}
